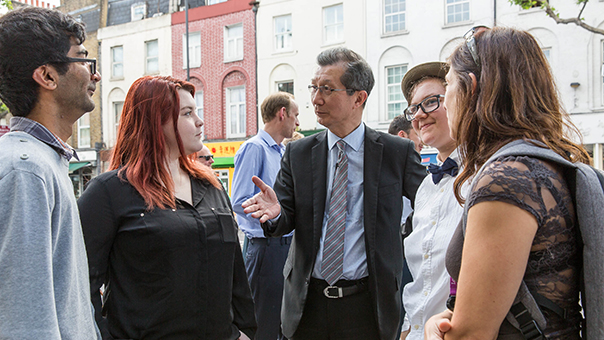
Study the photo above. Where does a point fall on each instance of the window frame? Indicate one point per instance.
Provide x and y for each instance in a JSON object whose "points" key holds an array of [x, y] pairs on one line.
{"points": [[238, 41], [196, 47], [396, 86], [241, 130], [338, 25], [115, 63], [117, 115], [602, 71], [82, 127], [385, 15], [286, 36], [281, 82], [133, 9], [148, 58], [451, 5], [199, 108]]}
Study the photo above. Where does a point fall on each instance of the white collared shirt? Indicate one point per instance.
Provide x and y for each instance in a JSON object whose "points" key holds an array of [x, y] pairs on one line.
{"points": [[435, 218]]}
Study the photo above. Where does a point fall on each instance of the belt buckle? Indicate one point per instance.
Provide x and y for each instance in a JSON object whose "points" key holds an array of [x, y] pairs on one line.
{"points": [[337, 290]]}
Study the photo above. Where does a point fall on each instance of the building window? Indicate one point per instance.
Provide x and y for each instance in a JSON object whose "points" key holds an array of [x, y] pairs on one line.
{"points": [[394, 15], [395, 100], [138, 11], [547, 51], [199, 105], [194, 50], [117, 113], [458, 11], [152, 56], [213, 2], [84, 131], [236, 111], [79, 179], [333, 24], [286, 86], [283, 33], [233, 42], [117, 62], [602, 70]]}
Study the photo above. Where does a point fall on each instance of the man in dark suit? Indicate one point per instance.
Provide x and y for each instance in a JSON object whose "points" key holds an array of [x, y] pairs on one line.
{"points": [[341, 191]]}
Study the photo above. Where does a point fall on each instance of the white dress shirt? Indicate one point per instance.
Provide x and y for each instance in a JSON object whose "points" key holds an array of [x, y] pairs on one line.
{"points": [[436, 216]]}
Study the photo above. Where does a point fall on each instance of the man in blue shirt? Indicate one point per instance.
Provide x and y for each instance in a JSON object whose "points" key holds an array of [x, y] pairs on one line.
{"points": [[264, 259]]}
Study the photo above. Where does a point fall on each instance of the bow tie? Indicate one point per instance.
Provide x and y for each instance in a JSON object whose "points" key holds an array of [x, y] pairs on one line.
{"points": [[448, 167]]}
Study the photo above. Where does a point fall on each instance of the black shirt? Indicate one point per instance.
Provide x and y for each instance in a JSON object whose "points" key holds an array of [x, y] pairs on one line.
{"points": [[168, 273]]}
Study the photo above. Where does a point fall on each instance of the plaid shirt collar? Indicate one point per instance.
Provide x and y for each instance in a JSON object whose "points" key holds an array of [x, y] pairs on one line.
{"points": [[41, 133]]}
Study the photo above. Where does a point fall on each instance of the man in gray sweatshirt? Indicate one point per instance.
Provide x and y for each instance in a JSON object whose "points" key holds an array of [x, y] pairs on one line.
{"points": [[47, 82]]}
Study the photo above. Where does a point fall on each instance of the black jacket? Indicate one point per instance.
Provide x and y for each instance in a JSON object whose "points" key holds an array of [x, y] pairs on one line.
{"points": [[168, 274], [392, 169]]}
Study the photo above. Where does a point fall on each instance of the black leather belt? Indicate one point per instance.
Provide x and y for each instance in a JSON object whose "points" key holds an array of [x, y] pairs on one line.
{"points": [[341, 289]]}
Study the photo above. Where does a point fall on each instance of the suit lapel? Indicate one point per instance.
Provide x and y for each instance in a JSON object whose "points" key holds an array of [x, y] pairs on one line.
{"points": [[372, 164], [319, 186]]}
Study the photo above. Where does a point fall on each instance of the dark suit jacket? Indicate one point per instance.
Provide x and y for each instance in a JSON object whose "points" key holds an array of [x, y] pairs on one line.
{"points": [[391, 169]]}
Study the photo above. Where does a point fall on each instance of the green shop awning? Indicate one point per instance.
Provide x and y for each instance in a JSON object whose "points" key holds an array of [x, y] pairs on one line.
{"points": [[77, 165], [223, 162]]}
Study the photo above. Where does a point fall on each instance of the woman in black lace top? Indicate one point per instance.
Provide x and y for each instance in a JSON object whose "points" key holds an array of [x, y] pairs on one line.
{"points": [[520, 219]]}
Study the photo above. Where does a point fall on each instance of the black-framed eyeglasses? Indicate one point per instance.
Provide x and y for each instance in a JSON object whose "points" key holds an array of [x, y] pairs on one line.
{"points": [[427, 105], [326, 90], [91, 62], [471, 42], [207, 158]]}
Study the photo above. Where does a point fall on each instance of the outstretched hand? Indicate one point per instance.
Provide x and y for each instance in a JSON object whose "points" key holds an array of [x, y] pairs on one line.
{"points": [[438, 325], [264, 205]]}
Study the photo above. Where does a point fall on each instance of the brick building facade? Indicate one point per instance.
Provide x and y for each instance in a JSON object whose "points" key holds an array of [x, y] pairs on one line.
{"points": [[222, 59]]}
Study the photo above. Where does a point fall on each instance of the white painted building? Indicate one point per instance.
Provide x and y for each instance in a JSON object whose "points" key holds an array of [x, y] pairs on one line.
{"points": [[129, 51], [412, 32], [395, 35], [290, 35]]}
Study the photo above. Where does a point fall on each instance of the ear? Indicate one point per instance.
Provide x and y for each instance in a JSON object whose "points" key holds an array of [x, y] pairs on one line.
{"points": [[282, 113], [361, 97], [46, 77], [474, 82], [403, 134]]}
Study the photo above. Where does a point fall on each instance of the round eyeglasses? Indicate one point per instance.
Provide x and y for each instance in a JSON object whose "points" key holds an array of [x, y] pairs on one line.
{"points": [[427, 105], [326, 90]]}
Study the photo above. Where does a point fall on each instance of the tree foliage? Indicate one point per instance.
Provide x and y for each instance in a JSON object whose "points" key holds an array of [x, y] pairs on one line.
{"points": [[3, 109], [6, 3], [553, 13]]}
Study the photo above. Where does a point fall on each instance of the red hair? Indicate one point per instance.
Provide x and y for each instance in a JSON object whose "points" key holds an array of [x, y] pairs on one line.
{"points": [[140, 149]]}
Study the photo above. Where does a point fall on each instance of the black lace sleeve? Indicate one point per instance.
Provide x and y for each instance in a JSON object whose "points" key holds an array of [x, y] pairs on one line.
{"points": [[539, 188]]}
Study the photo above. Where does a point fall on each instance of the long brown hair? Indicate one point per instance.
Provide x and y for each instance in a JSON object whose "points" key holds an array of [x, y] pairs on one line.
{"points": [[140, 150], [515, 98]]}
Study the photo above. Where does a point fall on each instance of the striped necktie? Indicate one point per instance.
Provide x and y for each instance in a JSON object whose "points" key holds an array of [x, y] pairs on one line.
{"points": [[332, 266]]}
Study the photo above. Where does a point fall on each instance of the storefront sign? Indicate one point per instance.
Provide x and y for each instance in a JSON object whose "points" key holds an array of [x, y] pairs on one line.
{"points": [[224, 149]]}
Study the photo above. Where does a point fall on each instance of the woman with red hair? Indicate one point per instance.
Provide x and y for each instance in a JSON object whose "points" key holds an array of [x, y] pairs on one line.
{"points": [[159, 229]]}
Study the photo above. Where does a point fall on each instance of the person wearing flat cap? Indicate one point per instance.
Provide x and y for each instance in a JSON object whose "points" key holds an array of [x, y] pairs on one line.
{"points": [[436, 212]]}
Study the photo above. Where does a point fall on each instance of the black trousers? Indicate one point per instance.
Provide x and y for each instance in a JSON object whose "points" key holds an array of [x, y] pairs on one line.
{"points": [[347, 318], [264, 261]]}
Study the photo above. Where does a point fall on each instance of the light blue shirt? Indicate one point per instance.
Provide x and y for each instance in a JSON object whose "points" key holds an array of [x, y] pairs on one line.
{"points": [[355, 257], [259, 156]]}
